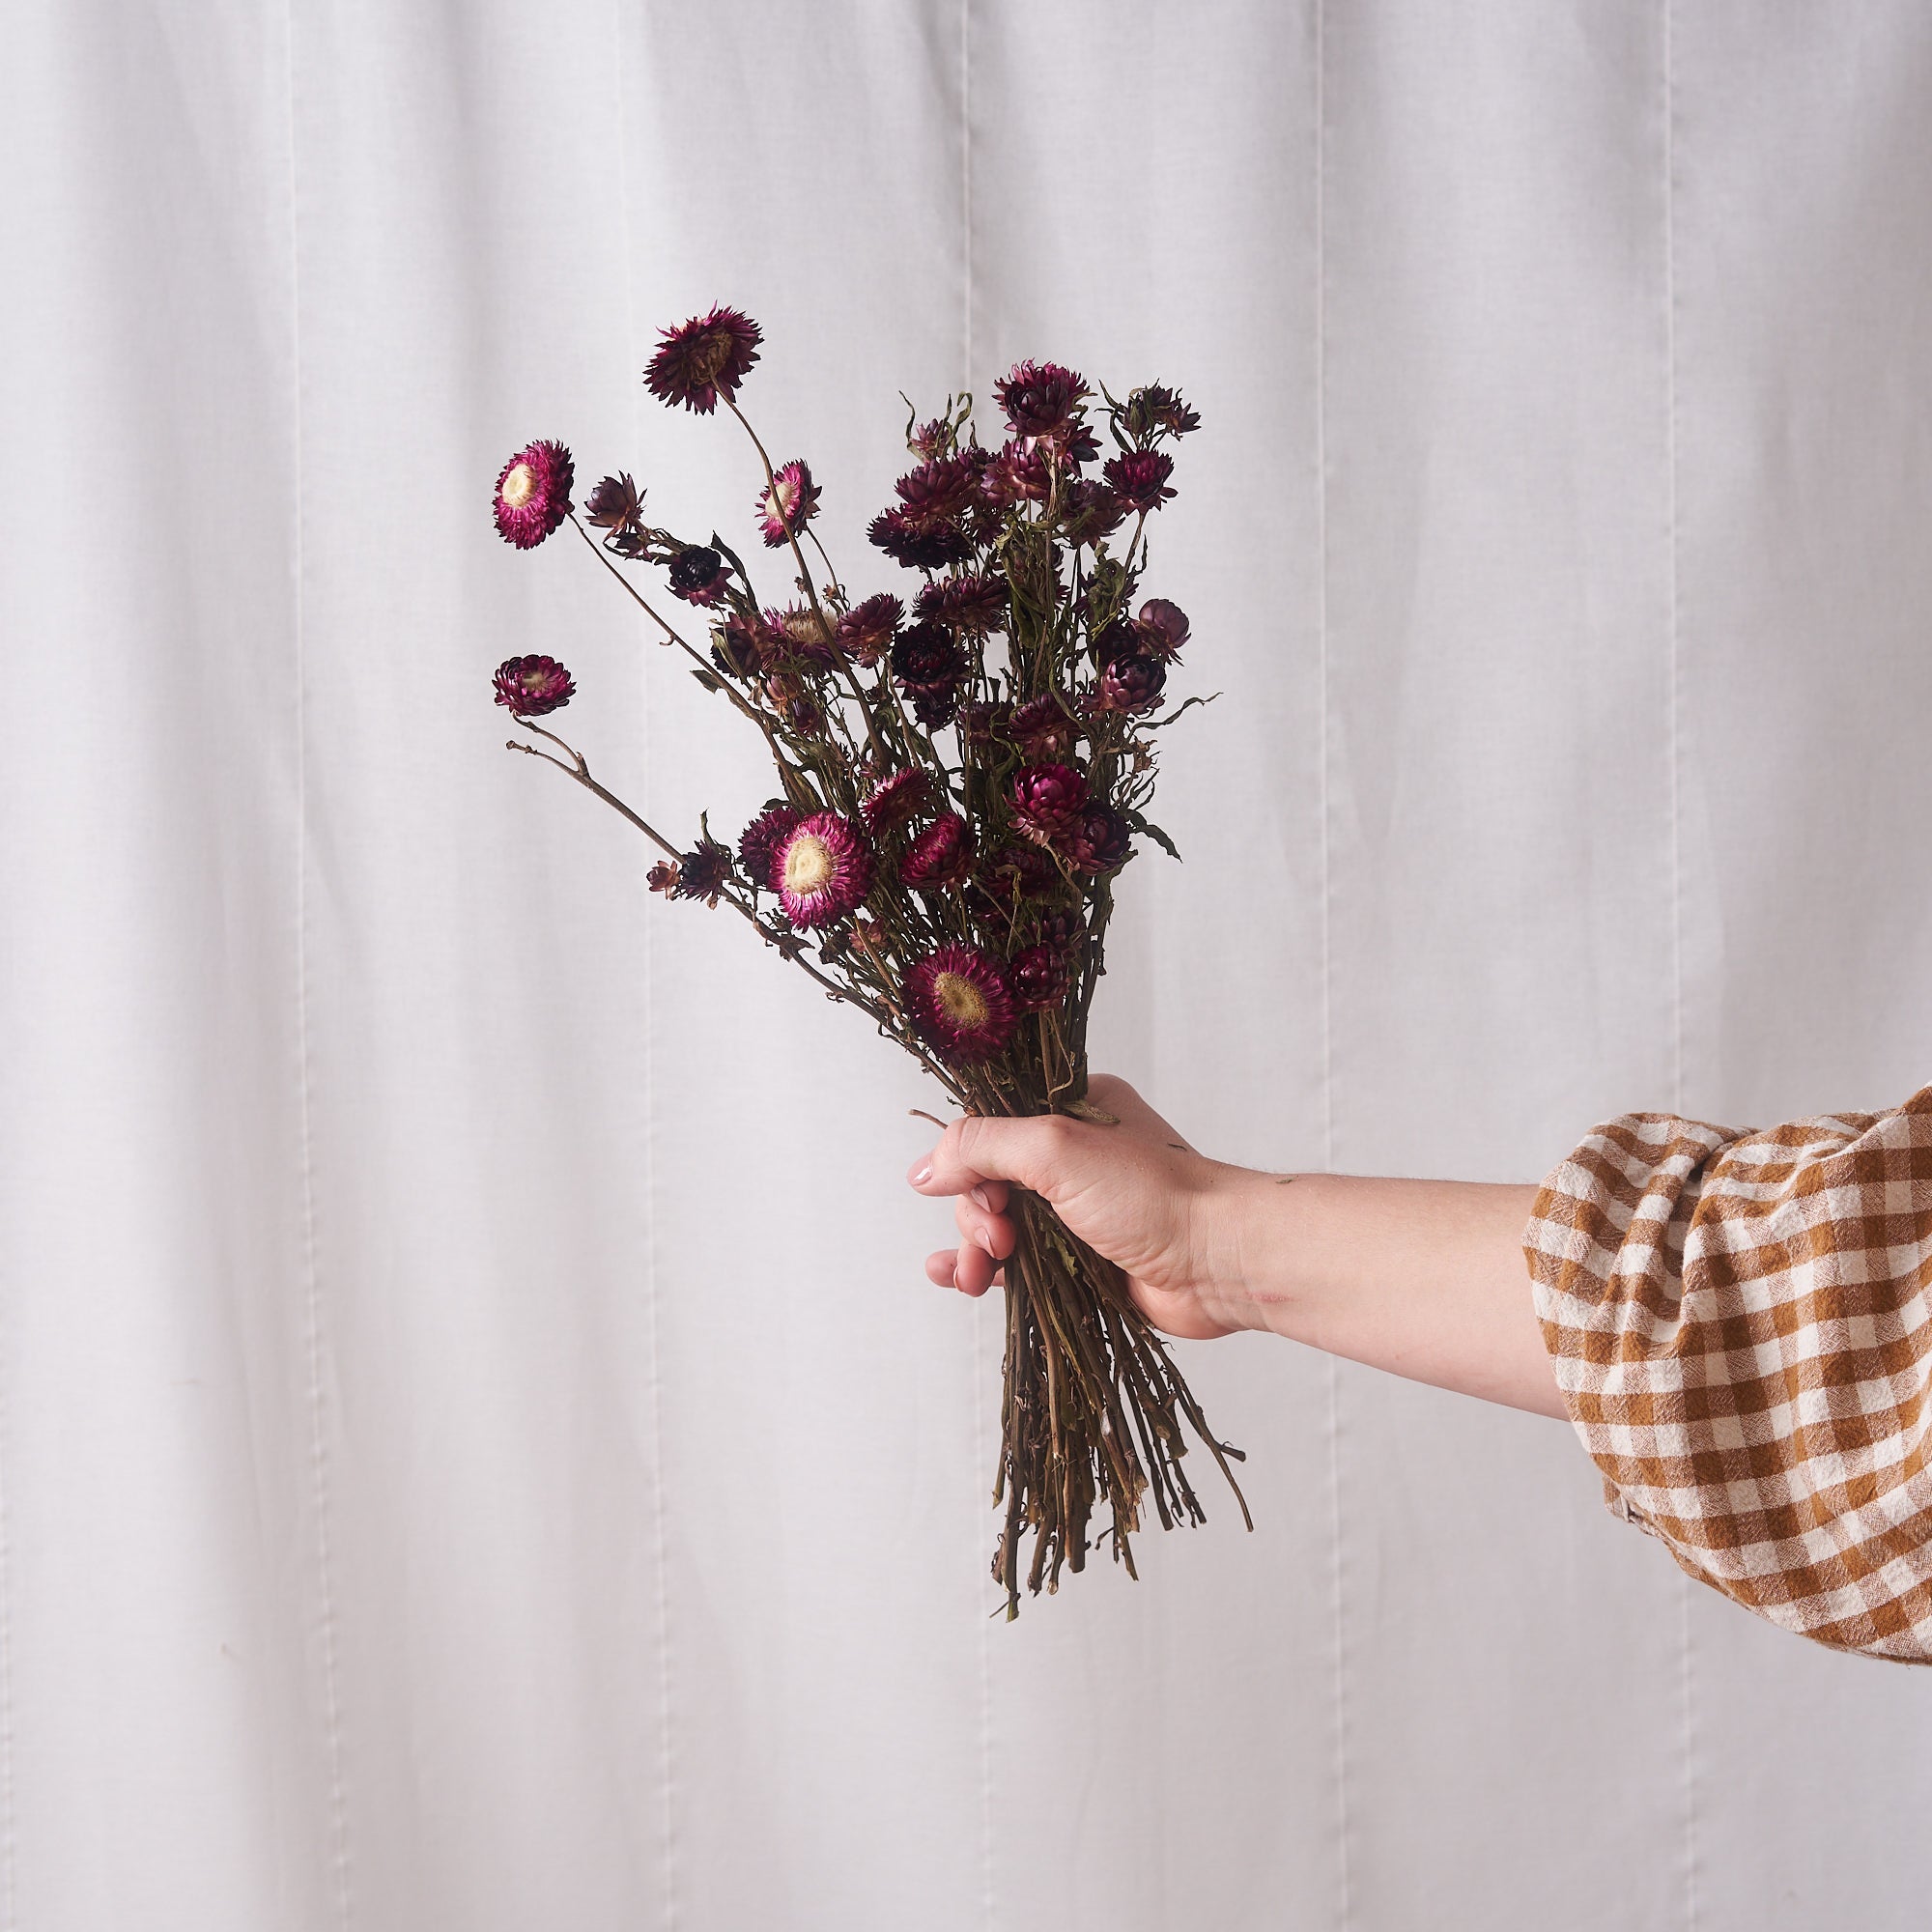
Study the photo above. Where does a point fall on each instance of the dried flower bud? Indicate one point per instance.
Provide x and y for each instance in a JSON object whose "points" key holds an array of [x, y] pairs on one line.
{"points": [[1128, 685], [1139, 478], [1098, 840], [896, 800], [1039, 977], [758, 842], [973, 603], [1043, 729], [1157, 408], [662, 877], [1163, 627], [1046, 799]]}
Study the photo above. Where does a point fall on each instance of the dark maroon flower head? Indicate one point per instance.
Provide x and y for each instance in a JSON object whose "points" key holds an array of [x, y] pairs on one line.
{"points": [[934, 707], [743, 646], [1157, 408], [1020, 871], [822, 869], [533, 493], [1089, 511], [1046, 799], [759, 842], [704, 874], [1128, 685], [1139, 478], [1117, 638], [531, 687], [1042, 730], [972, 602], [865, 632], [981, 722], [1096, 842], [1163, 628], [786, 504], [960, 1003], [697, 575], [1039, 397], [1064, 930], [940, 855], [919, 544], [936, 492], [704, 359], [1016, 474], [928, 657], [896, 799], [615, 504], [1039, 977]]}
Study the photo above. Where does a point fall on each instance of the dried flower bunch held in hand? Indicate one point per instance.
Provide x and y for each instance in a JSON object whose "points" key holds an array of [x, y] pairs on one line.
{"points": [[963, 772]]}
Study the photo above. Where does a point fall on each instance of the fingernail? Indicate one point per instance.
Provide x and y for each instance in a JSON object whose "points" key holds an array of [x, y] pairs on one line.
{"points": [[921, 1174], [978, 1194], [982, 1240]]}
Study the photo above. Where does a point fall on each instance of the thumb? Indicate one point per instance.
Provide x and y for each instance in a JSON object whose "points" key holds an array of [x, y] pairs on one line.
{"points": [[1033, 1152]]}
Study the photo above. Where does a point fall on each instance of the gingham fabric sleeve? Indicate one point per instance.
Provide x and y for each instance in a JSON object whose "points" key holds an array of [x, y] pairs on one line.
{"points": [[1740, 1322]]}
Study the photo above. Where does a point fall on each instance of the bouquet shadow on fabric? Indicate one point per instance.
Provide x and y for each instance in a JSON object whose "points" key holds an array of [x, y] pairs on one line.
{"points": [[960, 783]]}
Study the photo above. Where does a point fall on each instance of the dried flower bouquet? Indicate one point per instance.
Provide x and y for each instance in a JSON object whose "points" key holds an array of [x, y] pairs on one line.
{"points": [[959, 785]]}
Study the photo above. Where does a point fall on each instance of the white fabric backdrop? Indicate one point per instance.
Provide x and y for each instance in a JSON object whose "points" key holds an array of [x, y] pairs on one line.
{"points": [[477, 1450]]}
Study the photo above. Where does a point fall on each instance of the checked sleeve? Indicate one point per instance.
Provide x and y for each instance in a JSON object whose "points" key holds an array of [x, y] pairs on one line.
{"points": [[1741, 1324]]}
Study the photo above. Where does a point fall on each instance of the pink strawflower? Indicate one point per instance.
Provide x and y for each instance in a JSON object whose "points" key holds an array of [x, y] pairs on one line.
{"points": [[1039, 977], [1096, 842], [960, 1003], [942, 855], [759, 842], [704, 359], [972, 603], [865, 632], [1039, 397], [786, 504], [1046, 799], [822, 869], [1139, 478], [1163, 627], [531, 687], [896, 800], [697, 575], [533, 493]]}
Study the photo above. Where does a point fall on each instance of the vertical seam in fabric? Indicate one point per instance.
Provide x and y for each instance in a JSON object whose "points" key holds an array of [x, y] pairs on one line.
{"points": [[320, 1500], [1344, 1898], [1687, 1684], [660, 1503], [9, 1920], [987, 1904]]}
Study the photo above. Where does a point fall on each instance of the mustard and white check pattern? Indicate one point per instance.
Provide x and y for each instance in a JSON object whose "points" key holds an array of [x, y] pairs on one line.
{"points": [[1741, 1327]]}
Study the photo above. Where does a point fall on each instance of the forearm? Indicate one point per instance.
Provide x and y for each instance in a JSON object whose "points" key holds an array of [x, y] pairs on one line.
{"points": [[1424, 1278]]}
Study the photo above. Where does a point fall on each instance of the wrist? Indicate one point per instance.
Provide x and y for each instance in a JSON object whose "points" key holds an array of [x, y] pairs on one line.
{"points": [[1243, 1264]]}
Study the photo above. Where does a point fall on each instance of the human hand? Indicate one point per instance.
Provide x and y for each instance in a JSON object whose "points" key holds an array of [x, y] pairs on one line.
{"points": [[1136, 1193]]}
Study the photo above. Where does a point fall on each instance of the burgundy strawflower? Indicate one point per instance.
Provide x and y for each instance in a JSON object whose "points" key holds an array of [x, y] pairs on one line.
{"points": [[1042, 730], [704, 359], [796, 632], [787, 503], [759, 842], [1139, 478], [1046, 799], [935, 707], [917, 544], [530, 687], [928, 659], [1039, 977], [1016, 474], [972, 603], [1039, 397], [1129, 685], [936, 492], [615, 504], [1063, 929], [704, 874], [895, 799], [941, 855], [931, 438], [958, 1000], [822, 869], [1158, 406], [697, 575], [1096, 842], [743, 645], [865, 632], [1163, 627], [1089, 511], [533, 493]]}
